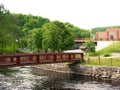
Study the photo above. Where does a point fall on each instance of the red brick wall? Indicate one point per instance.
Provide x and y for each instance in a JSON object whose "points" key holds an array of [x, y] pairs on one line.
{"points": [[107, 35], [119, 35], [115, 32], [101, 36]]}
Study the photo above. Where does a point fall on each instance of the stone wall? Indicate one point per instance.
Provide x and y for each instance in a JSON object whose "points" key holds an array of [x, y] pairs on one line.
{"points": [[108, 73]]}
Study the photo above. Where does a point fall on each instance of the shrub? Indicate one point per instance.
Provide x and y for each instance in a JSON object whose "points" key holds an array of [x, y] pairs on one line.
{"points": [[93, 54], [90, 45], [107, 55]]}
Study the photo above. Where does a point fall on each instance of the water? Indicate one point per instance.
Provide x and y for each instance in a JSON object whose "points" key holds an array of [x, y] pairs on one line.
{"points": [[25, 80]]}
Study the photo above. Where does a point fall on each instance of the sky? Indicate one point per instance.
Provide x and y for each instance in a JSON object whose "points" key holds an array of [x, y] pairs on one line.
{"points": [[85, 14]]}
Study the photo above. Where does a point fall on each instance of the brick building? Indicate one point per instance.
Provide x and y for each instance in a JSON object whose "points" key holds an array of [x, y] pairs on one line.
{"points": [[109, 34]]}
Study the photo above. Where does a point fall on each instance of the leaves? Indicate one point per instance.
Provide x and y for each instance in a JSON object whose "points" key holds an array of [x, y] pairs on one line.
{"points": [[35, 33], [90, 45], [57, 37]]}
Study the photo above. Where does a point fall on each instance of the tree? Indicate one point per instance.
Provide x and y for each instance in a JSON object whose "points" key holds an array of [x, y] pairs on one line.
{"points": [[78, 32], [90, 45], [35, 40], [56, 37], [6, 30]]}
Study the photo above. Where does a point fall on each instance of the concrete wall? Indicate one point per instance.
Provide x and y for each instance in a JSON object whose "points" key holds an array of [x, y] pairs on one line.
{"points": [[109, 73]]}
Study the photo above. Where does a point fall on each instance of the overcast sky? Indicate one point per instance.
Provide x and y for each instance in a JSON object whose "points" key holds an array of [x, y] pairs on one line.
{"points": [[85, 14]]}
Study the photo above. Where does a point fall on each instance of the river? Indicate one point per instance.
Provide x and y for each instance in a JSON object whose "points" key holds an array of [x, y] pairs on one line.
{"points": [[25, 80]]}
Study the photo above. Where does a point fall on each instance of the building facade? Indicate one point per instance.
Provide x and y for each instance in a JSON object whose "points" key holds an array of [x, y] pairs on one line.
{"points": [[109, 34]]}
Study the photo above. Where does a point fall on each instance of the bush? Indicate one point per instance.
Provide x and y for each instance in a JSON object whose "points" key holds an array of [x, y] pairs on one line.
{"points": [[93, 54], [107, 55], [90, 45]]}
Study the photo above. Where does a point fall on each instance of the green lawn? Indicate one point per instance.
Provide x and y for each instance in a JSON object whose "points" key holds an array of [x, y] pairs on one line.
{"points": [[114, 48], [105, 56], [103, 61]]}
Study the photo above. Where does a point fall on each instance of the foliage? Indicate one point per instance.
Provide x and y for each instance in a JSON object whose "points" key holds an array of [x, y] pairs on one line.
{"points": [[6, 29], [90, 45], [15, 28], [27, 23], [35, 40], [18, 31], [93, 54], [106, 55], [114, 48], [78, 32], [56, 37]]}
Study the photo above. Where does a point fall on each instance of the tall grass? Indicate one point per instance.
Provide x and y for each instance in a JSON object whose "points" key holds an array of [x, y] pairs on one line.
{"points": [[103, 61]]}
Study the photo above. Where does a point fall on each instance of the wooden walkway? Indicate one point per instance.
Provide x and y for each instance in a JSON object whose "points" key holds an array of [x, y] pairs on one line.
{"points": [[39, 58]]}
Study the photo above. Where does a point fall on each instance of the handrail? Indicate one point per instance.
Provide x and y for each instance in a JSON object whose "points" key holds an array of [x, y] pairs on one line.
{"points": [[39, 58]]}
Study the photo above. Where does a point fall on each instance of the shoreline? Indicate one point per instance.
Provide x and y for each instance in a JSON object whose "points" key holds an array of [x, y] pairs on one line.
{"points": [[98, 72]]}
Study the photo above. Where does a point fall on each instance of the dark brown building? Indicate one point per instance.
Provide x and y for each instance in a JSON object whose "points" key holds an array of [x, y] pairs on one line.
{"points": [[109, 34]]}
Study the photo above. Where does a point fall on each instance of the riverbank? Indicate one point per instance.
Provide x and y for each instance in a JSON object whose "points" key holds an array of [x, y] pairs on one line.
{"points": [[98, 72]]}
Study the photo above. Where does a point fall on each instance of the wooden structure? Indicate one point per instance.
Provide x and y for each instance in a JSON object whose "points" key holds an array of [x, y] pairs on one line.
{"points": [[39, 58]]}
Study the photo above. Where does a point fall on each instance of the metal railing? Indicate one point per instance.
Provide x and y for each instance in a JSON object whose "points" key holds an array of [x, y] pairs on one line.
{"points": [[39, 58]]}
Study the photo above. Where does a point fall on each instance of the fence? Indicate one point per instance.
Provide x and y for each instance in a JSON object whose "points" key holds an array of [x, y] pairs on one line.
{"points": [[106, 61], [39, 58]]}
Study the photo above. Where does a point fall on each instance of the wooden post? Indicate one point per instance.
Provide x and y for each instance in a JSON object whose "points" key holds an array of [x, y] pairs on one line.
{"points": [[69, 56], [47, 56], [18, 61], [99, 57], [82, 57], [73, 56], [54, 57], [88, 61], [61, 56], [111, 61], [11, 60], [37, 58], [31, 58]]}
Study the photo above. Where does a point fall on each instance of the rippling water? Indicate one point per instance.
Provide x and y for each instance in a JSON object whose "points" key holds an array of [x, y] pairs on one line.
{"points": [[25, 80]]}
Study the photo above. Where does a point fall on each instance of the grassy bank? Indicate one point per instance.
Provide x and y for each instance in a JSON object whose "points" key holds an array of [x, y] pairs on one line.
{"points": [[103, 61], [104, 56], [114, 48]]}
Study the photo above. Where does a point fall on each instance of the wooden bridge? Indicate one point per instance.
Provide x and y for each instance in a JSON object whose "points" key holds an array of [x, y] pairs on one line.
{"points": [[39, 58]]}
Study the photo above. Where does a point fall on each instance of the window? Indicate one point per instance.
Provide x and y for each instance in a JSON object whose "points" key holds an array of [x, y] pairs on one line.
{"points": [[111, 37], [101, 38]]}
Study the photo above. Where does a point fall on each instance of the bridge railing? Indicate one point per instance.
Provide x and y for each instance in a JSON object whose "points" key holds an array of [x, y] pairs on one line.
{"points": [[39, 58]]}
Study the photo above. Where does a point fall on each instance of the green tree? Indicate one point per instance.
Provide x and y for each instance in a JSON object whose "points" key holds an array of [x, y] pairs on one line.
{"points": [[90, 45], [6, 30], [56, 37], [78, 32], [35, 40]]}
